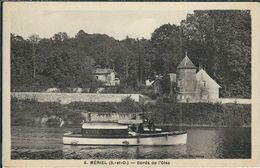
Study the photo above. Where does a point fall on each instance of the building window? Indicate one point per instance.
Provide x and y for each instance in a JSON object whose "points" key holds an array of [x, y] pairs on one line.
{"points": [[204, 84], [188, 100], [97, 77], [178, 97], [108, 78], [204, 97], [179, 83]]}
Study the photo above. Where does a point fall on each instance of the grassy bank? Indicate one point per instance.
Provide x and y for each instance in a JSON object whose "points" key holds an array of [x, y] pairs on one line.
{"points": [[32, 113], [201, 114]]}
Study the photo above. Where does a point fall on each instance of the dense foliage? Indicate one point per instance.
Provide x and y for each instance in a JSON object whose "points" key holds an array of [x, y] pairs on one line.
{"points": [[31, 113], [219, 41], [201, 114]]}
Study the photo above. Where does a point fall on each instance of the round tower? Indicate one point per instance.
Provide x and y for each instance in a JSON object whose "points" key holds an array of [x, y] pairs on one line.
{"points": [[186, 80]]}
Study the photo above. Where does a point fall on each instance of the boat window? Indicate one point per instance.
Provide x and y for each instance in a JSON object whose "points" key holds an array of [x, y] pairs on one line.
{"points": [[105, 131]]}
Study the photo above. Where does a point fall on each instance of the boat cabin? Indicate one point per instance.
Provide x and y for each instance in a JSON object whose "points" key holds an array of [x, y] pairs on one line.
{"points": [[103, 129]]}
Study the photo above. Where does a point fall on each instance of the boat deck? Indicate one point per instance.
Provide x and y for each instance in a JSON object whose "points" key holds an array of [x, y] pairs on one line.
{"points": [[126, 136]]}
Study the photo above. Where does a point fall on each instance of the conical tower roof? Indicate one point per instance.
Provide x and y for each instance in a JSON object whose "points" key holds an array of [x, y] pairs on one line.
{"points": [[186, 63]]}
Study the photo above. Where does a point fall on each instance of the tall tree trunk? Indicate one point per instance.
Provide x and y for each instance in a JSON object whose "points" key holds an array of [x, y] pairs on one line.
{"points": [[139, 64], [33, 55], [126, 67], [181, 45]]}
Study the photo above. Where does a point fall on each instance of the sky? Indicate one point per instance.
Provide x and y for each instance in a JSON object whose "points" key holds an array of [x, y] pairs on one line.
{"points": [[118, 24]]}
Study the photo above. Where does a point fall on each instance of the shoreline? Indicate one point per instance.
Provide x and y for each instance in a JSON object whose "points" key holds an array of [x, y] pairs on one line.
{"points": [[205, 126], [164, 114], [157, 125]]}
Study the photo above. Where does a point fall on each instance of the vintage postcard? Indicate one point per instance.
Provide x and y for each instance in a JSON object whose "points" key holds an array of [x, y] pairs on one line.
{"points": [[157, 84]]}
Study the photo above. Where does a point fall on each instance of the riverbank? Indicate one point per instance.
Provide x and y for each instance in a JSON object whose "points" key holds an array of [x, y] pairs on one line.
{"points": [[202, 114], [199, 126], [33, 113]]}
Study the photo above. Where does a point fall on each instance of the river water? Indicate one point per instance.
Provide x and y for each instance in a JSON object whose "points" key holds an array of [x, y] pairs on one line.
{"points": [[46, 143]]}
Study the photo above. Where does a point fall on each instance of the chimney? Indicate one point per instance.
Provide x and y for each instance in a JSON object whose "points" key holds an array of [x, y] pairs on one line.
{"points": [[200, 66]]}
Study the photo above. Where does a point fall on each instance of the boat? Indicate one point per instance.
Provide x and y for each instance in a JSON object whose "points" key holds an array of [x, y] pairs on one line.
{"points": [[123, 133]]}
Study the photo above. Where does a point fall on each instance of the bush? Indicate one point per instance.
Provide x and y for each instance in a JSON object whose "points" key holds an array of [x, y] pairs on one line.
{"points": [[126, 106], [26, 112], [150, 93]]}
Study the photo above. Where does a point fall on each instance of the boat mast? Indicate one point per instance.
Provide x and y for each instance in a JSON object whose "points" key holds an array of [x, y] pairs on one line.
{"points": [[180, 119]]}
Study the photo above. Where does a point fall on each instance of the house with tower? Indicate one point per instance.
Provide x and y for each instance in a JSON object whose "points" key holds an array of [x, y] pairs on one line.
{"points": [[195, 85]]}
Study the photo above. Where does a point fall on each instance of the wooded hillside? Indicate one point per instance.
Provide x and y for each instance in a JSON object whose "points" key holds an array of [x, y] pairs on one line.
{"points": [[220, 41]]}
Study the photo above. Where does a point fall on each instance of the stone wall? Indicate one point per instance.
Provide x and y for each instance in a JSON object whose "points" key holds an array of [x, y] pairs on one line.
{"points": [[220, 100], [66, 98], [234, 100]]}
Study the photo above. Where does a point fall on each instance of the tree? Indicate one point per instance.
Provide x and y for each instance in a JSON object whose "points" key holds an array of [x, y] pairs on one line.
{"points": [[167, 48], [34, 39], [221, 40], [59, 37], [21, 62]]}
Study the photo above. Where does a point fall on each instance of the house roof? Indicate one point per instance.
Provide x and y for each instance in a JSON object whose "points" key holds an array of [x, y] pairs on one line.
{"points": [[103, 71], [157, 80], [203, 75], [186, 63]]}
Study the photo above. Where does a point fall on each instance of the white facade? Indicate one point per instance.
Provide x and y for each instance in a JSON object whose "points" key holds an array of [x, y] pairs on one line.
{"points": [[207, 88], [107, 76]]}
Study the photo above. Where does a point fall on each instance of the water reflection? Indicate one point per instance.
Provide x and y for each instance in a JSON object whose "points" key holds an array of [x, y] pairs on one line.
{"points": [[204, 143], [234, 141], [124, 152]]}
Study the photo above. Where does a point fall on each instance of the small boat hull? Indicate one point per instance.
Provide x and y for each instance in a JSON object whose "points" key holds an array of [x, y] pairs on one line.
{"points": [[164, 138]]}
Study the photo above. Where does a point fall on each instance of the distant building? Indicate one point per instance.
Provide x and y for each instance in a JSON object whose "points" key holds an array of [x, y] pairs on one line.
{"points": [[156, 85], [107, 76], [207, 88], [195, 86], [149, 82]]}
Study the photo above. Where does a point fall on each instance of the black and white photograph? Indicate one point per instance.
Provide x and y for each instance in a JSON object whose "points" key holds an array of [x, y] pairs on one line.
{"points": [[131, 84]]}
